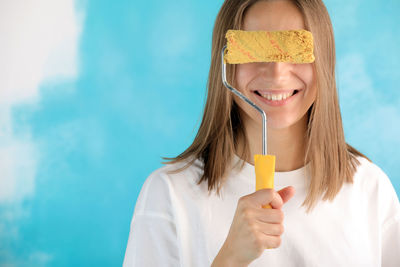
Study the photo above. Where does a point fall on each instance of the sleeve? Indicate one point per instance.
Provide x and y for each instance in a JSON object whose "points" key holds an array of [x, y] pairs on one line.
{"points": [[390, 208], [153, 237], [391, 243]]}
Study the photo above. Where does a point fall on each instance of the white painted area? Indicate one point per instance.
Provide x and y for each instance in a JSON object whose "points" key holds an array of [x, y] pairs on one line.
{"points": [[39, 43]]}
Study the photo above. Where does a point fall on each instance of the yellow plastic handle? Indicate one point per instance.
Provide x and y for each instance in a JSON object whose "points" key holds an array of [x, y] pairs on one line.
{"points": [[265, 170]]}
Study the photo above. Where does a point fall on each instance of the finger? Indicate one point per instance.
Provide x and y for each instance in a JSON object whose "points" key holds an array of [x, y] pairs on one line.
{"points": [[261, 197], [287, 193], [271, 241], [269, 216], [275, 229], [277, 201]]}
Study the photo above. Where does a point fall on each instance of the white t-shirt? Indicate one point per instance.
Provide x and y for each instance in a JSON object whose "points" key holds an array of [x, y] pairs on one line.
{"points": [[176, 222]]}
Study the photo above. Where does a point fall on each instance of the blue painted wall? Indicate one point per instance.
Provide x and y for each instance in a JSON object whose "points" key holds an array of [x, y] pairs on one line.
{"points": [[139, 94]]}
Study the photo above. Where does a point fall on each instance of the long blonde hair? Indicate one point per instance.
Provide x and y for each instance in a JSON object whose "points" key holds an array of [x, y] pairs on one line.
{"points": [[332, 161]]}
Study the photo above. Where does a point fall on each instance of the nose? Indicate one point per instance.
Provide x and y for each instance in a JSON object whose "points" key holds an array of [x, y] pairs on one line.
{"points": [[274, 70]]}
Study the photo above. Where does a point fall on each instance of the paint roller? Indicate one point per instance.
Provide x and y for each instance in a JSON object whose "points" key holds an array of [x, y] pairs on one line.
{"points": [[294, 46]]}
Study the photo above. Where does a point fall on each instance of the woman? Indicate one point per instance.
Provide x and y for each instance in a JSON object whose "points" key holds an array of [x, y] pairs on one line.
{"points": [[334, 207]]}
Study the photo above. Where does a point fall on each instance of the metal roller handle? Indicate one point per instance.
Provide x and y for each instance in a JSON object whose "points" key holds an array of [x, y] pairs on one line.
{"points": [[236, 92]]}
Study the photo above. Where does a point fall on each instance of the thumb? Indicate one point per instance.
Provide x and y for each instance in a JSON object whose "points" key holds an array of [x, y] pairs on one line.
{"points": [[286, 193]]}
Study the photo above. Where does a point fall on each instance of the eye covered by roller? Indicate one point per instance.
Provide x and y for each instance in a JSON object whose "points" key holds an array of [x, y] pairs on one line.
{"points": [[295, 46]]}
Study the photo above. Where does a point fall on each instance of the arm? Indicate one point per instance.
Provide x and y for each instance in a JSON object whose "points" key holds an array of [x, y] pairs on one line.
{"points": [[153, 237], [390, 223], [224, 260], [391, 243], [152, 242]]}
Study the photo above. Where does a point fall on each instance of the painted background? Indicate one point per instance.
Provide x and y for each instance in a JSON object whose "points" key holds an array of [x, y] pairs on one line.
{"points": [[93, 93]]}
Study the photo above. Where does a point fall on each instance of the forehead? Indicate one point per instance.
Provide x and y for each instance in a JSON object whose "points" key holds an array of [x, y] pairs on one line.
{"points": [[273, 15]]}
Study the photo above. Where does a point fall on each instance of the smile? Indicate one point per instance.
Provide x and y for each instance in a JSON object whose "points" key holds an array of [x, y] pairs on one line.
{"points": [[278, 98]]}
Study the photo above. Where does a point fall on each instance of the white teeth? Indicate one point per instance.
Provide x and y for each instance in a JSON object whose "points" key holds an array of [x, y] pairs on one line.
{"points": [[278, 97]]}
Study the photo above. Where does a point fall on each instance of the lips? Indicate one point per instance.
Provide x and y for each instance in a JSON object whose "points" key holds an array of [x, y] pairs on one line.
{"points": [[270, 97], [273, 91]]}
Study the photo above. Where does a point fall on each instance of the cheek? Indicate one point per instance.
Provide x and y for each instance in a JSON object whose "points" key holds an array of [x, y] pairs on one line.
{"points": [[242, 75], [306, 73]]}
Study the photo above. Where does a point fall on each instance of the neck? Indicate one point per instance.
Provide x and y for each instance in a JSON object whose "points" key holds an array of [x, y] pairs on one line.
{"points": [[287, 144]]}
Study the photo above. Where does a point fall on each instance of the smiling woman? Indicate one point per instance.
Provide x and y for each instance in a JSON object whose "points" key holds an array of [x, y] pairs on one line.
{"points": [[334, 206], [265, 82]]}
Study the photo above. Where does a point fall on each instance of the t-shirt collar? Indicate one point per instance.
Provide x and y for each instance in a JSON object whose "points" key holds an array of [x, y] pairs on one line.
{"points": [[297, 177]]}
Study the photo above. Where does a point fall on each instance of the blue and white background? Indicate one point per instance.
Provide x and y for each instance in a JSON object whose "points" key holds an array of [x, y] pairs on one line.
{"points": [[93, 93]]}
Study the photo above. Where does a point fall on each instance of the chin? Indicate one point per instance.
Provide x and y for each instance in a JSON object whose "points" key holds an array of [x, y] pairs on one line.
{"points": [[278, 126], [280, 123]]}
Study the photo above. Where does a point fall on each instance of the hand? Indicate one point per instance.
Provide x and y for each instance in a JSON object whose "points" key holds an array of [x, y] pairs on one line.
{"points": [[255, 229]]}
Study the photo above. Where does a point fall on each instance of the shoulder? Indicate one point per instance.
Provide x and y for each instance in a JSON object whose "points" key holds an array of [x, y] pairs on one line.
{"points": [[162, 185], [369, 173], [169, 174], [374, 182]]}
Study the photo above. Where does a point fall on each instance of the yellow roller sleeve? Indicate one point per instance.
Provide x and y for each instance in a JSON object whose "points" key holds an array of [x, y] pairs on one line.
{"points": [[295, 46], [265, 169]]}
